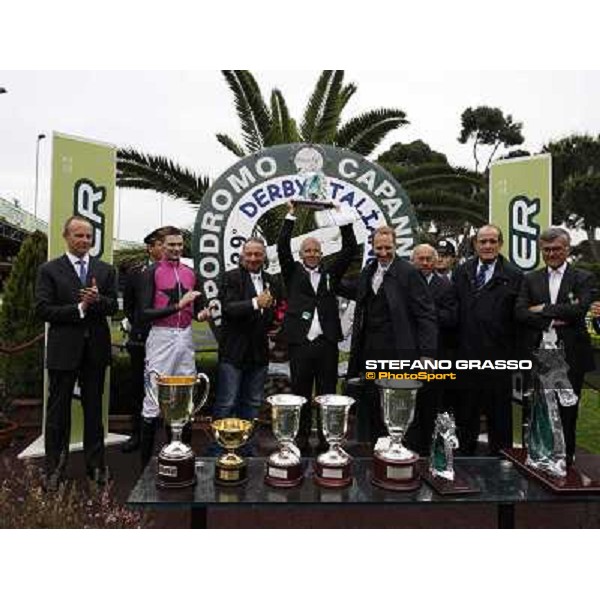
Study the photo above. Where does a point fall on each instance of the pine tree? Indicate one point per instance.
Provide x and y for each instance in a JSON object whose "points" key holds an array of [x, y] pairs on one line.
{"points": [[22, 371]]}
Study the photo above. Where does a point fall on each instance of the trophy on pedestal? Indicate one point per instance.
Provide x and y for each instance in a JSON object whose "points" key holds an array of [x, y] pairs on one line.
{"points": [[443, 444], [394, 466], [309, 163], [176, 463], [334, 468], [284, 467], [231, 434]]}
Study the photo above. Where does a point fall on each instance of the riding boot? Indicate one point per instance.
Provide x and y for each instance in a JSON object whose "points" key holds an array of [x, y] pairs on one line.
{"points": [[148, 433], [133, 443]]}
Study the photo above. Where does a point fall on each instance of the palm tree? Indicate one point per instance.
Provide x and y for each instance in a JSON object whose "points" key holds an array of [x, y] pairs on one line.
{"points": [[266, 125]]}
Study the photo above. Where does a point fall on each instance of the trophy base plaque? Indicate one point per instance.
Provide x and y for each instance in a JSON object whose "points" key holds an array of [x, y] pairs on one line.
{"points": [[284, 476], [577, 481], [395, 474], [231, 473], [333, 476], [175, 472], [314, 204]]}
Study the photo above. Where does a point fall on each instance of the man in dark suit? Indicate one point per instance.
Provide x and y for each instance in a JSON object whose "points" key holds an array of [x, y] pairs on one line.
{"points": [[138, 330], [312, 322], [75, 294], [394, 318], [430, 399], [247, 307], [487, 286], [446, 259], [558, 297]]}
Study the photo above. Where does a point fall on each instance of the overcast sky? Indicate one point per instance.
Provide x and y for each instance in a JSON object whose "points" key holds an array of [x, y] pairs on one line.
{"points": [[178, 113]]}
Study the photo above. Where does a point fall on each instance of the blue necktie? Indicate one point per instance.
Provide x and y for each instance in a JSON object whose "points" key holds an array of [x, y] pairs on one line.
{"points": [[82, 271], [480, 278]]}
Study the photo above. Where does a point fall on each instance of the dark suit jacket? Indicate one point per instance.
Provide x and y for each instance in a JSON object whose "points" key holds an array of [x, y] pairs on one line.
{"points": [[446, 307], [243, 337], [487, 326], [574, 298], [132, 304], [56, 295], [302, 299], [412, 311]]}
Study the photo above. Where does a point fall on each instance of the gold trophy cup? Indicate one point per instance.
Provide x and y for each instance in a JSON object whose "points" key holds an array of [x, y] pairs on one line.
{"points": [[231, 434], [176, 462]]}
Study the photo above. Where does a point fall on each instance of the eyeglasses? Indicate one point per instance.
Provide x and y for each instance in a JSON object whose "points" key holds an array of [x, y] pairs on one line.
{"points": [[553, 249]]}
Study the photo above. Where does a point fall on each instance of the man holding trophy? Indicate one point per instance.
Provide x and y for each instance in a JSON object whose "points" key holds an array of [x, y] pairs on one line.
{"points": [[170, 302], [312, 322]]}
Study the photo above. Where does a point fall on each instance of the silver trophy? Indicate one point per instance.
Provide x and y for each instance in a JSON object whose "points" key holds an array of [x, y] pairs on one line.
{"points": [[394, 465], [176, 463], [309, 163], [334, 467], [284, 467]]}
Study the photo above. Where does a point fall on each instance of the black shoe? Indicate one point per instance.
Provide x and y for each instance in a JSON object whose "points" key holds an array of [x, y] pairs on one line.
{"points": [[148, 434], [51, 483], [132, 444], [99, 476]]}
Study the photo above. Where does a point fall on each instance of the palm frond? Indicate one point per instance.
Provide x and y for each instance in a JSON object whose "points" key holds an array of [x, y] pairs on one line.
{"points": [[141, 171], [313, 109], [231, 145], [345, 95], [275, 134], [329, 119], [288, 125], [364, 132], [256, 102], [251, 131]]}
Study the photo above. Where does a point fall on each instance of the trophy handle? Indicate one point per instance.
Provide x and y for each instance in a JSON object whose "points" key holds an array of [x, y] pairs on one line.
{"points": [[202, 377], [149, 387]]}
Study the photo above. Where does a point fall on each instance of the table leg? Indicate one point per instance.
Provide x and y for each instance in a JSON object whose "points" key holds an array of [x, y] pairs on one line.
{"points": [[506, 516], [198, 517]]}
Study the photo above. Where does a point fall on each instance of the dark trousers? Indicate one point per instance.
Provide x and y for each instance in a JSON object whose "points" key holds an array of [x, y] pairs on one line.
{"points": [[57, 431], [492, 396], [137, 354], [568, 414], [419, 434], [312, 364]]}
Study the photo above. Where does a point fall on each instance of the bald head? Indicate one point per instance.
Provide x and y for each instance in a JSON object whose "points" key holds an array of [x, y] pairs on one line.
{"points": [[310, 252], [424, 257]]}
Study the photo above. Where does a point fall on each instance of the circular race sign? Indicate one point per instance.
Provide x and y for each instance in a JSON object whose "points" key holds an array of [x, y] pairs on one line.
{"points": [[231, 209]]}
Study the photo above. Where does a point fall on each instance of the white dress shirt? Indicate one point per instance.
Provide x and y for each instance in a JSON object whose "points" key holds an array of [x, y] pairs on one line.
{"points": [[315, 327], [76, 262], [554, 280], [378, 277]]}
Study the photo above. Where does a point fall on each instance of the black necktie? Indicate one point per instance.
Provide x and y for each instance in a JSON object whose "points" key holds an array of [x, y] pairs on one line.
{"points": [[82, 271], [480, 277]]}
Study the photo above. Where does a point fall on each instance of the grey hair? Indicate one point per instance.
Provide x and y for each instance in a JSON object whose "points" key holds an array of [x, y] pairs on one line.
{"points": [[255, 240], [554, 233], [420, 246]]}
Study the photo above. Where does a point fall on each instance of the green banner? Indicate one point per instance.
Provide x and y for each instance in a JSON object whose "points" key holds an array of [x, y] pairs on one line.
{"points": [[521, 205], [83, 183]]}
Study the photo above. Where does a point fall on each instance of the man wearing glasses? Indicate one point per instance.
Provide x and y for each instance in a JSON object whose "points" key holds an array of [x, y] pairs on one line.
{"points": [[558, 297]]}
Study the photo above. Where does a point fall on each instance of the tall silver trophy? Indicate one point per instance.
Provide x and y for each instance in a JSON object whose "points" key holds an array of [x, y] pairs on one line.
{"points": [[394, 465], [334, 467], [284, 467], [315, 195], [176, 462]]}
